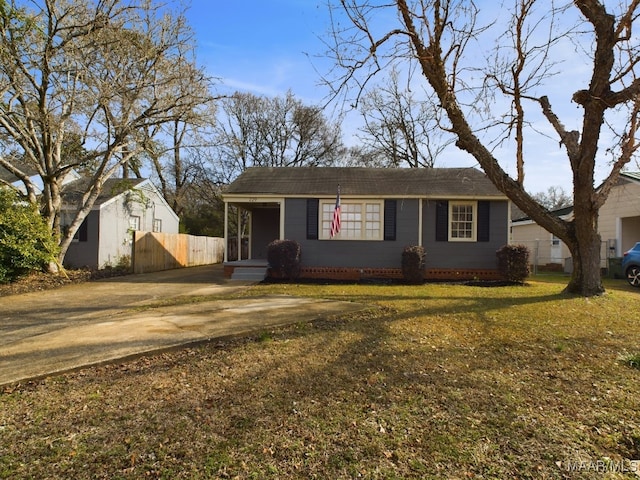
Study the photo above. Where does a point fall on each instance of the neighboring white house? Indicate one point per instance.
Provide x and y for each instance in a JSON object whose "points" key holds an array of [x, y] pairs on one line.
{"points": [[546, 250], [618, 224], [105, 237]]}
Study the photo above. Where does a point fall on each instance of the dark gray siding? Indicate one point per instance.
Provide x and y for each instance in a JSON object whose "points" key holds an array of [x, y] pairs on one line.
{"points": [[85, 254], [351, 253], [482, 255]]}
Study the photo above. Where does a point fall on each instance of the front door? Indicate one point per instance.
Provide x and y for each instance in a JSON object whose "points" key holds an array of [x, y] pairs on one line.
{"points": [[265, 228]]}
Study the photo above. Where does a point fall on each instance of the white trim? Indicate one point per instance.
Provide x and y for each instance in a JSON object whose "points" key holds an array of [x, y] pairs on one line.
{"points": [[226, 231], [344, 202], [282, 202], [420, 222], [474, 221]]}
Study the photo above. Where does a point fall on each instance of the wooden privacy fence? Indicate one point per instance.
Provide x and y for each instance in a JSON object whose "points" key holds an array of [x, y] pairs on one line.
{"points": [[153, 251]]}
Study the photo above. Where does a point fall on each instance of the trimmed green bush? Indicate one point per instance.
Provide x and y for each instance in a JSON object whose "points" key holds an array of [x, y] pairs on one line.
{"points": [[26, 244], [284, 258], [513, 262], [413, 264]]}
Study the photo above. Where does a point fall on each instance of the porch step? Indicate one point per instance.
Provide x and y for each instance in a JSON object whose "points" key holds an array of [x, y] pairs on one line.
{"points": [[249, 274]]}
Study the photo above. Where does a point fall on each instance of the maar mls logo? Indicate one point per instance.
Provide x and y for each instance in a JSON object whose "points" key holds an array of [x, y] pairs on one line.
{"points": [[604, 465]]}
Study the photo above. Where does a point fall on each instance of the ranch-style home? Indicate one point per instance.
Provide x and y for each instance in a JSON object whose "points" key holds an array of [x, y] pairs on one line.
{"points": [[456, 214]]}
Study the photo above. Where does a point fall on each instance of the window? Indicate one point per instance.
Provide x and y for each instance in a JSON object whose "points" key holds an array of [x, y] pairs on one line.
{"points": [[157, 224], [462, 221], [134, 223], [459, 221], [359, 220], [82, 234]]}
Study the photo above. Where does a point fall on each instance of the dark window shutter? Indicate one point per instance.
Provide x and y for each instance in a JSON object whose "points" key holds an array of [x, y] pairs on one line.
{"points": [[313, 205], [484, 228], [442, 221], [390, 219]]}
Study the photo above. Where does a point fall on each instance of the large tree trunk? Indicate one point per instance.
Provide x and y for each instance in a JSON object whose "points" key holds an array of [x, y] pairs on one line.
{"points": [[585, 243]]}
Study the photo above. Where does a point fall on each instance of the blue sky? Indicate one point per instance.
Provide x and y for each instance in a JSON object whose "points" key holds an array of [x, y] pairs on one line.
{"points": [[261, 46], [270, 46]]}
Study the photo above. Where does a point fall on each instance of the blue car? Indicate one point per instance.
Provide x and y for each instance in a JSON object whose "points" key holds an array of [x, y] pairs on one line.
{"points": [[631, 265]]}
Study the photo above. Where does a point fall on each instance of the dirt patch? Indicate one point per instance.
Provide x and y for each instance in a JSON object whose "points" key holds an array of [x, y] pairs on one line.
{"points": [[40, 281]]}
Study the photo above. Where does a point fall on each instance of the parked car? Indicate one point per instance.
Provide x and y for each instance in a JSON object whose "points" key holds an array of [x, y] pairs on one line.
{"points": [[631, 265]]}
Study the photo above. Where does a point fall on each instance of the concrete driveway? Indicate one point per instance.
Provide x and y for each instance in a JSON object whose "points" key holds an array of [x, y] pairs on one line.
{"points": [[50, 332]]}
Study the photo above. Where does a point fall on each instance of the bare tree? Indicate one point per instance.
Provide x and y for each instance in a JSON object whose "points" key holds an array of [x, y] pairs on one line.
{"points": [[270, 132], [106, 72], [398, 127], [554, 198], [437, 36]]}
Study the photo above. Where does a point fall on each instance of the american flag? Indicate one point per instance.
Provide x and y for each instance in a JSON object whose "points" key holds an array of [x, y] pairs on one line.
{"points": [[335, 222]]}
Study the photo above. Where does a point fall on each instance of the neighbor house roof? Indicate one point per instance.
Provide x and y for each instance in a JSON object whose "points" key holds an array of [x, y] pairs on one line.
{"points": [[26, 168], [560, 213], [73, 191], [355, 181], [631, 175]]}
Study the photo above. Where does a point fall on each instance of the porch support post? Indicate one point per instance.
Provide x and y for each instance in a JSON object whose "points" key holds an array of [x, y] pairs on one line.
{"points": [[239, 236], [420, 222], [250, 242], [282, 219], [226, 231]]}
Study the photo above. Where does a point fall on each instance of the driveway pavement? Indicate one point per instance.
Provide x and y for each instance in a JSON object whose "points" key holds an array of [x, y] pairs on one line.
{"points": [[54, 331]]}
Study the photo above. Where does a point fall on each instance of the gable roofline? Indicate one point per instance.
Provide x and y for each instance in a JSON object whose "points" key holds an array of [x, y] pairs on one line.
{"points": [[301, 182], [563, 213], [112, 190]]}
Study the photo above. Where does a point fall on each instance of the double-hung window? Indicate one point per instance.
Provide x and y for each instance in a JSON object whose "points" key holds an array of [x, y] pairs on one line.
{"points": [[462, 221], [134, 223]]}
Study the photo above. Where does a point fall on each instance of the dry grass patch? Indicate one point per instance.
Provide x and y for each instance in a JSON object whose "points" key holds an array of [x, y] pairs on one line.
{"points": [[435, 381]]}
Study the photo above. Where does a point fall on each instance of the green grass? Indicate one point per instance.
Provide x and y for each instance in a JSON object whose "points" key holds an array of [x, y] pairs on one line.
{"points": [[433, 381]]}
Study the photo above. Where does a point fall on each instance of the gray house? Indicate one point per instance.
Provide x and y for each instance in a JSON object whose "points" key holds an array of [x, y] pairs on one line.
{"points": [[125, 205], [456, 214]]}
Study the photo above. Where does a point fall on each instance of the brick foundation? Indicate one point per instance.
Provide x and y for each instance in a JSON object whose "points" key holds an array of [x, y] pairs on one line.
{"points": [[357, 274]]}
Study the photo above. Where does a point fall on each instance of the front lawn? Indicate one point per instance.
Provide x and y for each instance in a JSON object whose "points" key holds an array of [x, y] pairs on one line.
{"points": [[433, 381]]}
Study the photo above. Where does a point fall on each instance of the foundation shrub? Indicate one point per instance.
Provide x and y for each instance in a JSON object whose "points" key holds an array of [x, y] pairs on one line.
{"points": [[413, 264], [284, 258]]}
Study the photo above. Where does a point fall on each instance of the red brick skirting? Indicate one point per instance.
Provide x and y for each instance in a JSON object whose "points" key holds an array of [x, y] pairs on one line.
{"points": [[355, 274]]}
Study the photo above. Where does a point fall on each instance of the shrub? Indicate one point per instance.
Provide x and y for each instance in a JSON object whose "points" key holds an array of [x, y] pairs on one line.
{"points": [[413, 264], [284, 258], [513, 262], [26, 244]]}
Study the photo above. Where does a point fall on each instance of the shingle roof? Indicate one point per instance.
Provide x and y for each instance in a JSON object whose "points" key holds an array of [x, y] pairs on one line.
{"points": [[401, 182], [560, 212], [9, 177], [112, 187]]}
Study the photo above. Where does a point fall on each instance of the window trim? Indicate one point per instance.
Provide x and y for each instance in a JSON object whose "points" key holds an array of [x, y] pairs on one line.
{"points": [[474, 221], [133, 219], [346, 201]]}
